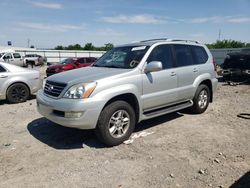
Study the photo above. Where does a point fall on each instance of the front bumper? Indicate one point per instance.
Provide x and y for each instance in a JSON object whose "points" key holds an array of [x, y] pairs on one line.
{"points": [[54, 110]]}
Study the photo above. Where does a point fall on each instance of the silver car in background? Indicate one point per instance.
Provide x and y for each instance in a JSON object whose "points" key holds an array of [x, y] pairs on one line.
{"points": [[17, 83]]}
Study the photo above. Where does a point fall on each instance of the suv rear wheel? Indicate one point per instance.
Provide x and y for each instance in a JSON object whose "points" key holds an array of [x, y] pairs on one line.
{"points": [[116, 123], [201, 99]]}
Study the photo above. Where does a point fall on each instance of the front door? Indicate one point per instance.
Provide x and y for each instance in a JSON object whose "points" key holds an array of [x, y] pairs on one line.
{"points": [[159, 88], [3, 78]]}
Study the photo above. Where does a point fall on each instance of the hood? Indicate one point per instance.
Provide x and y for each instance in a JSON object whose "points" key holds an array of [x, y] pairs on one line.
{"points": [[86, 74]]}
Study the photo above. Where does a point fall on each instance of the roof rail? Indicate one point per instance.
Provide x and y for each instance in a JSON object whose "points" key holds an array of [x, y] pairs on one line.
{"points": [[160, 39], [184, 40], [171, 40]]}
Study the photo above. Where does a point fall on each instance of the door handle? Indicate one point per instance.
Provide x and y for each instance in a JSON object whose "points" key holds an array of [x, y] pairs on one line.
{"points": [[172, 74], [195, 70], [3, 76]]}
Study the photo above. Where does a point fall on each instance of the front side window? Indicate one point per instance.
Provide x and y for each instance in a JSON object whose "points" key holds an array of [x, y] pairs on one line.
{"points": [[127, 57], [200, 54], [2, 69], [7, 56], [183, 55], [162, 53]]}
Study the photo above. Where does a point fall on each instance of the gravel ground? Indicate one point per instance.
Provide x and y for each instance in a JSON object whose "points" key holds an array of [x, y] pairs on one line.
{"points": [[180, 150]]}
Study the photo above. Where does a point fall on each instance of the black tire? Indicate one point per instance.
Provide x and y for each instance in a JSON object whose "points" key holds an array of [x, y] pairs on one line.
{"points": [[106, 119], [17, 93], [201, 103]]}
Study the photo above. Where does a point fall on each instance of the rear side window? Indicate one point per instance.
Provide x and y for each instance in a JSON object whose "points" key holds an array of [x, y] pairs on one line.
{"points": [[16, 55], [82, 60], [162, 53], [183, 55], [2, 69], [200, 55], [89, 60]]}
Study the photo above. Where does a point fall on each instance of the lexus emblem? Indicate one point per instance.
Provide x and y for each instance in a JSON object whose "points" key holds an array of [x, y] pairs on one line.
{"points": [[50, 88]]}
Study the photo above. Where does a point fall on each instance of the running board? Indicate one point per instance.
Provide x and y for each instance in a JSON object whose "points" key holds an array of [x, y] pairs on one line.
{"points": [[168, 109]]}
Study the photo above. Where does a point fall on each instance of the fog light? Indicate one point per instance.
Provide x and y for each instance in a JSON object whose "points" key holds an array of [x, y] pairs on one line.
{"points": [[73, 114]]}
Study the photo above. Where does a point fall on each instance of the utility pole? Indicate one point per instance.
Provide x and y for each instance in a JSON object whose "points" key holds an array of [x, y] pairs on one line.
{"points": [[219, 34], [28, 43]]}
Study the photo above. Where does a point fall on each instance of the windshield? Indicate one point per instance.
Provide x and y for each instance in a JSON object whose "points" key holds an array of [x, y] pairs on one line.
{"points": [[1, 54], [127, 57], [67, 61]]}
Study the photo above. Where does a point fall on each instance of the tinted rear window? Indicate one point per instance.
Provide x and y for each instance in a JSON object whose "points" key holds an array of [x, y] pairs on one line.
{"points": [[183, 55], [16, 55], [200, 55]]}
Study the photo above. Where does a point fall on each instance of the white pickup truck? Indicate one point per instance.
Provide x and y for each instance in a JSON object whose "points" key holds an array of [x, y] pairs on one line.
{"points": [[13, 58]]}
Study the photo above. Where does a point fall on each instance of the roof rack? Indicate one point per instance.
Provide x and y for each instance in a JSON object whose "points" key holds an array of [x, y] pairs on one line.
{"points": [[171, 40], [160, 39], [184, 40]]}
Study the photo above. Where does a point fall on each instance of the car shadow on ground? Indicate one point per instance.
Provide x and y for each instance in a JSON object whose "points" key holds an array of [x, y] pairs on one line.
{"points": [[60, 137], [244, 181]]}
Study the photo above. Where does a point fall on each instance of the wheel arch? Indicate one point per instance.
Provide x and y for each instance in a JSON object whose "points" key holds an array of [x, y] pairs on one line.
{"points": [[131, 99]]}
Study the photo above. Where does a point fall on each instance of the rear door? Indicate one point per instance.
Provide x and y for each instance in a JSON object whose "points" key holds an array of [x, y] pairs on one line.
{"points": [[159, 88], [17, 59], [186, 71]]}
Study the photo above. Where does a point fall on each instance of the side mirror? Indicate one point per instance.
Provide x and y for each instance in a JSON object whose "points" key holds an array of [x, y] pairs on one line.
{"points": [[153, 66]]}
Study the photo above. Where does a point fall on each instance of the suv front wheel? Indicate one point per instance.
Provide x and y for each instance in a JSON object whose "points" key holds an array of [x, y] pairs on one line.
{"points": [[201, 99], [116, 123]]}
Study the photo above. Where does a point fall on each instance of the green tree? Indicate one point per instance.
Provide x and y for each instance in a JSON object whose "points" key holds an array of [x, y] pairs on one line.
{"points": [[89, 46], [60, 47], [228, 44], [108, 46]]}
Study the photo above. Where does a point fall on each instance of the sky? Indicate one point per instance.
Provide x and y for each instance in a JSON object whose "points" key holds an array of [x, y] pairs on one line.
{"points": [[48, 23]]}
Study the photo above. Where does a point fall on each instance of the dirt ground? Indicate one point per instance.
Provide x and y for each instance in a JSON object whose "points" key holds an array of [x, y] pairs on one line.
{"points": [[181, 150]]}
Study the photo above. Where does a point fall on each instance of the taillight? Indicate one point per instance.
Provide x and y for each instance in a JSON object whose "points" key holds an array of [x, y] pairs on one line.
{"points": [[215, 68]]}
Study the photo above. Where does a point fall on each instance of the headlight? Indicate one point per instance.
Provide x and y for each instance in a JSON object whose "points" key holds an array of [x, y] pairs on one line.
{"points": [[80, 91]]}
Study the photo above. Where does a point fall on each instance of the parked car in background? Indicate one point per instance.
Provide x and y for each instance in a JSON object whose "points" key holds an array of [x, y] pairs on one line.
{"points": [[12, 58], [34, 59], [17, 83], [236, 66], [69, 64], [131, 83]]}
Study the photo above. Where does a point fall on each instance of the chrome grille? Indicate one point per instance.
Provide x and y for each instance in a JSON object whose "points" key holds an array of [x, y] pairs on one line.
{"points": [[54, 88]]}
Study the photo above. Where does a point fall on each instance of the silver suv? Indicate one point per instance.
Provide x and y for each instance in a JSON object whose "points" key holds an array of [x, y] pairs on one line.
{"points": [[128, 84]]}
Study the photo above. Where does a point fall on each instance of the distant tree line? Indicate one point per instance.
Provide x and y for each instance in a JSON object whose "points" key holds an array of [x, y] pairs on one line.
{"points": [[228, 44], [218, 44], [88, 46]]}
